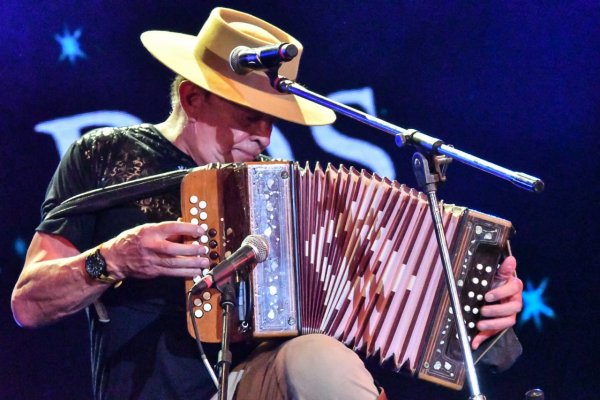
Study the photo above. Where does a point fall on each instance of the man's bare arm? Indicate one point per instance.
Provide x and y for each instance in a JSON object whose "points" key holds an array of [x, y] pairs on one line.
{"points": [[54, 282]]}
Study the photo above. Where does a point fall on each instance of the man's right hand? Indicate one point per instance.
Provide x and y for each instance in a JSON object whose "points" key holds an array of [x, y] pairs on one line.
{"points": [[152, 250]]}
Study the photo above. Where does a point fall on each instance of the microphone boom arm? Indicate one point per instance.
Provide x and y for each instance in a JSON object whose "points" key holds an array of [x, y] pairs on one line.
{"points": [[412, 136]]}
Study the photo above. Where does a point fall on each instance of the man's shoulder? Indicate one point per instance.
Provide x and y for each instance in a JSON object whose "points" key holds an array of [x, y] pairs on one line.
{"points": [[116, 134], [116, 140]]}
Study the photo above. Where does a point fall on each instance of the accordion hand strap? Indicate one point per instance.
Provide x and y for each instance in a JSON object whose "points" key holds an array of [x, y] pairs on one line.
{"points": [[99, 199], [102, 198]]}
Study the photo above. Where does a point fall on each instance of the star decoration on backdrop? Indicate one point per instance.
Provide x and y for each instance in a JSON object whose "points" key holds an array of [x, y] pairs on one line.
{"points": [[69, 43], [534, 305], [20, 247]]}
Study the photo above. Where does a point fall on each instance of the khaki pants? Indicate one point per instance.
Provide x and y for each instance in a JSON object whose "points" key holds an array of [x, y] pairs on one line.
{"points": [[310, 367]]}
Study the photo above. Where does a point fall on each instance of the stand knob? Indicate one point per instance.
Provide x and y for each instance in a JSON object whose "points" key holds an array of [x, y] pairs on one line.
{"points": [[534, 394]]}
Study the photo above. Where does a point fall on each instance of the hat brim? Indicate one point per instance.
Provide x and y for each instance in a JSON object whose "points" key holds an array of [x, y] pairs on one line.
{"points": [[176, 51]]}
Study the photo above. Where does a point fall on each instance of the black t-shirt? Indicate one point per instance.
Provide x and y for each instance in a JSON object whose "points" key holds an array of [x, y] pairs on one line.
{"points": [[144, 351]]}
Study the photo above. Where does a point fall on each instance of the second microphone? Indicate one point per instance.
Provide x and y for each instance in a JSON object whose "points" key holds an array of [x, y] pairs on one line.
{"points": [[254, 249]]}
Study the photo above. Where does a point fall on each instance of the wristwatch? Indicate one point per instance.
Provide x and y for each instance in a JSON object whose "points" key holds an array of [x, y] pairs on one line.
{"points": [[95, 266]]}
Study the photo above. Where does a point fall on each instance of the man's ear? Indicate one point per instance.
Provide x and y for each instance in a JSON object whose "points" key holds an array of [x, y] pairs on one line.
{"points": [[192, 98]]}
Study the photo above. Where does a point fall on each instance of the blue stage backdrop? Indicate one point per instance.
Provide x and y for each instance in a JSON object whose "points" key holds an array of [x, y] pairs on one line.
{"points": [[516, 83]]}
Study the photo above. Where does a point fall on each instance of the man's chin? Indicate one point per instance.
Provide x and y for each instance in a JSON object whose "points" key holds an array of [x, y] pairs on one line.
{"points": [[242, 156]]}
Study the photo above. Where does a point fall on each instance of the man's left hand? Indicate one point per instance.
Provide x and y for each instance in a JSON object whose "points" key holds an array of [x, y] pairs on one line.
{"points": [[507, 298]]}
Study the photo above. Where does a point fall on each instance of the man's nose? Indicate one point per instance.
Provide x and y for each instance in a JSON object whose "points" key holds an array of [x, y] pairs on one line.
{"points": [[262, 131]]}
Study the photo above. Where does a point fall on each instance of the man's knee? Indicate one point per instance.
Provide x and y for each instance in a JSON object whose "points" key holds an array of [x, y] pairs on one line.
{"points": [[311, 352], [313, 364]]}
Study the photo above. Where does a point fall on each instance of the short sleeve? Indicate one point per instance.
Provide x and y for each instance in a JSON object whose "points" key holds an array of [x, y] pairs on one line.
{"points": [[74, 175]]}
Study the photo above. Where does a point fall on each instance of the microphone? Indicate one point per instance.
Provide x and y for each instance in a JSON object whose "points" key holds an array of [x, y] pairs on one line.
{"points": [[244, 59], [254, 248]]}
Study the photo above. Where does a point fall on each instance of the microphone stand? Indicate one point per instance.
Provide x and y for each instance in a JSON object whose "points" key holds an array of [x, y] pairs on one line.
{"points": [[440, 155], [428, 177], [224, 361]]}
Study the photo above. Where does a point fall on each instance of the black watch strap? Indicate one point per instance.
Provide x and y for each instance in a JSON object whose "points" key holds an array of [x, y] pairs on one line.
{"points": [[95, 266]]}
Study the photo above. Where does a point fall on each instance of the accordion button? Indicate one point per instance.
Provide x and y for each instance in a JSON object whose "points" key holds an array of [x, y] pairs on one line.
{"points": [[212, 244], [193, 199], [212, 232], [202, 204], [213, 255], [198, 313]]}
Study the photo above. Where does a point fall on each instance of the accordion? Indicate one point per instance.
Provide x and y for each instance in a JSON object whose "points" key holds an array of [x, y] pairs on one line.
{"points": [[351, 255]]}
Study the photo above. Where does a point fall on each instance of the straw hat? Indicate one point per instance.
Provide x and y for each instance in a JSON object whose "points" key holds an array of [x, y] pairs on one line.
{"points": [[204, 60]]}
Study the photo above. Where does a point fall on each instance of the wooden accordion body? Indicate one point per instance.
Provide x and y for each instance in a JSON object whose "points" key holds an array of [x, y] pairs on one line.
{"points": [[351, 255]]}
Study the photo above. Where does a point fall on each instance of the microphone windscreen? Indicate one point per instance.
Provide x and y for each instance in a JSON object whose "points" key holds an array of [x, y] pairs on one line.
{"points": [[259, 244]]}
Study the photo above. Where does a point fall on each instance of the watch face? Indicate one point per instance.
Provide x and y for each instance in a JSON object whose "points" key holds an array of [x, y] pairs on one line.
{"points": [[95, 265]]}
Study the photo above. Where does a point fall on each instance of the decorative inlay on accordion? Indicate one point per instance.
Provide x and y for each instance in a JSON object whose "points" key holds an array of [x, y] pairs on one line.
{"points": [[351, 255]]}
